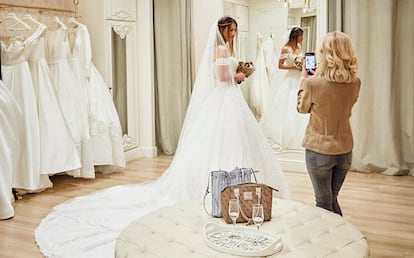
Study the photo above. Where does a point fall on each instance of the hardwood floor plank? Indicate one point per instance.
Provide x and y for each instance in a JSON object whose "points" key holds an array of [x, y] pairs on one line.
{"points": [[380, 206]]}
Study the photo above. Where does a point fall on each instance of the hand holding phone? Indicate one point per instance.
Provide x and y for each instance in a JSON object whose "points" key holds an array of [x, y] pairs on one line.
{"points": [[310, 62]]}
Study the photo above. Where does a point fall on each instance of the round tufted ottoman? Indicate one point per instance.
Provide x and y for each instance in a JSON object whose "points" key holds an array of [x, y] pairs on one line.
{"points": [[177, 231]]}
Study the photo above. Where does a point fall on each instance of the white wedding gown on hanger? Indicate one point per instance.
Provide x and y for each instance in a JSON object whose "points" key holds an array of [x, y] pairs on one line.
{"points": [[11, 121], [219, 132], [270, 57], [18, 79], [259, 82], [57, 149], [71, 98], [105, 128]]}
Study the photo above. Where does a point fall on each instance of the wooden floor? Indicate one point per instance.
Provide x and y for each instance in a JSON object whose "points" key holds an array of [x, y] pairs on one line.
{"points": [[382, 207]]}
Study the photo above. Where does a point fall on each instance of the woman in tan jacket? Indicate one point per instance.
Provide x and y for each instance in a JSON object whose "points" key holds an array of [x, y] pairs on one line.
{"points": [[329, 96]]}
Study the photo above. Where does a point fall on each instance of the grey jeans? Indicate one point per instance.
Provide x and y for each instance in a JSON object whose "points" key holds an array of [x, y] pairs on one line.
{"points": [[327, 173]]}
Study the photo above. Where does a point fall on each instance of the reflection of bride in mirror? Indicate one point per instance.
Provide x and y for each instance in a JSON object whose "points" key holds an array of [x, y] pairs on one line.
{"points": [[281, 123]]}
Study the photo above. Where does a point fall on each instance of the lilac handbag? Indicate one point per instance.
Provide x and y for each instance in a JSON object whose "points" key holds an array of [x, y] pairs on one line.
{"points": [[220, 179]]}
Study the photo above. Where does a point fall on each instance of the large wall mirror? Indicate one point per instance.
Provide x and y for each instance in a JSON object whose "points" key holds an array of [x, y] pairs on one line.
{"points": [[271, 20]]}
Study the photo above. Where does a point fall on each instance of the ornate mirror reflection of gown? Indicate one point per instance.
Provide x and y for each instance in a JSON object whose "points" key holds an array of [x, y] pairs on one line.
{"points": [[259, 84], [270, 57], [281, 123]]}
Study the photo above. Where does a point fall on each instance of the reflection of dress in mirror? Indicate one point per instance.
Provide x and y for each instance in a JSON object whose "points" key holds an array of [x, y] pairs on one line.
{"points": [[281, 122], [259, 88], [268, 46]]}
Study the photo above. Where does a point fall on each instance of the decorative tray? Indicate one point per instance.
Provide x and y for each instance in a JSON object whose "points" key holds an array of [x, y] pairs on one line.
{"points": [[242, 241]]}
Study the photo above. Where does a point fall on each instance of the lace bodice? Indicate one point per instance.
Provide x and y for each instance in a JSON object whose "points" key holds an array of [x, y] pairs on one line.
{"points": [[13, 53], [56, 46], [17, 49]]}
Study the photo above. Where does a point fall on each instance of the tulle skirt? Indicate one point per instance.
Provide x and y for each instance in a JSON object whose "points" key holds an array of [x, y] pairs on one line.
{"points": [[281, 122]]}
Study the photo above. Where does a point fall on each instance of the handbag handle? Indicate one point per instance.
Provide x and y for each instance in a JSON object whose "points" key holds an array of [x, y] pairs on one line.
{"points": [[259, 199], [205, 195], [249, 220], [253, 172], [237, 195], [208, 190]]}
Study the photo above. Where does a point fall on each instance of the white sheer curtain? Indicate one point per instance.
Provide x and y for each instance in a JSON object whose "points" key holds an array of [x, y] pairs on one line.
{"points": [[173, 69], [383, 119]]}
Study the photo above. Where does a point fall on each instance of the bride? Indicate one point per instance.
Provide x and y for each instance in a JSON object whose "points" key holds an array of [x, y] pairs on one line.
{"points": [[219, 132], [281, 122]]}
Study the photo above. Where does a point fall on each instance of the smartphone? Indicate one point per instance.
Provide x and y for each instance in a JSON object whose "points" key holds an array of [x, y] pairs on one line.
{"points": [[310, 62]]}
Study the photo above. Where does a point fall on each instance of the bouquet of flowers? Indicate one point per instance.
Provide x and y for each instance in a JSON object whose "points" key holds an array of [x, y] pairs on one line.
{"points": [[246, 67], [298, 62]]}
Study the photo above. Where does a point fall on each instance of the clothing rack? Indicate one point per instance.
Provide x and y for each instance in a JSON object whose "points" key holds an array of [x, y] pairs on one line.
{"points": [[44, 9]]}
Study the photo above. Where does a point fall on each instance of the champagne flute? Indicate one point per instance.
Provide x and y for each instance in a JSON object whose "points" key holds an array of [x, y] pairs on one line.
{"points": [[234, 212], [258, 215]]}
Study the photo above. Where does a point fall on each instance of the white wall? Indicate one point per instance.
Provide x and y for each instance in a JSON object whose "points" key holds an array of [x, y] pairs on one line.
{"points": [[95, 22], [322, 16], [205, 13], [266, 16]]}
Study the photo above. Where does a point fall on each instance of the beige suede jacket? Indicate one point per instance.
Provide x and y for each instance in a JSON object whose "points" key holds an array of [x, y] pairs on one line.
{"points": [[330, 107]]}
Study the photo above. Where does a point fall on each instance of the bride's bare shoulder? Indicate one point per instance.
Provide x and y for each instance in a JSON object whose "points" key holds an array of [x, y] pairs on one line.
{"points": [[286, 49]]}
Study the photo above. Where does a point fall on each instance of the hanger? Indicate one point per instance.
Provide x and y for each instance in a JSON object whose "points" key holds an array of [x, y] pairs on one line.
{"points": [[59, 23], [40, 26], [28, 17], [18, 24], [73, 23]]}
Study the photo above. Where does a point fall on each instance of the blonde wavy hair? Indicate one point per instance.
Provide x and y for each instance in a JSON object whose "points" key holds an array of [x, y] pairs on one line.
{"points": [[337, 59]]}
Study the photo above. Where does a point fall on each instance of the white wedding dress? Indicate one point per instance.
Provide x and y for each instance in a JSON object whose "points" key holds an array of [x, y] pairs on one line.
{"points": [[219, 132], [105, 128], [18, 79], [57, 148], [72, 99], [270, 57], [281, 122], [11, 121], [259, 86]]}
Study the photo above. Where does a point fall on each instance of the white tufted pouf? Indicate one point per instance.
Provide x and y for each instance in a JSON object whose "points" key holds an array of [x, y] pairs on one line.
{"points": [[177, 231]]}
